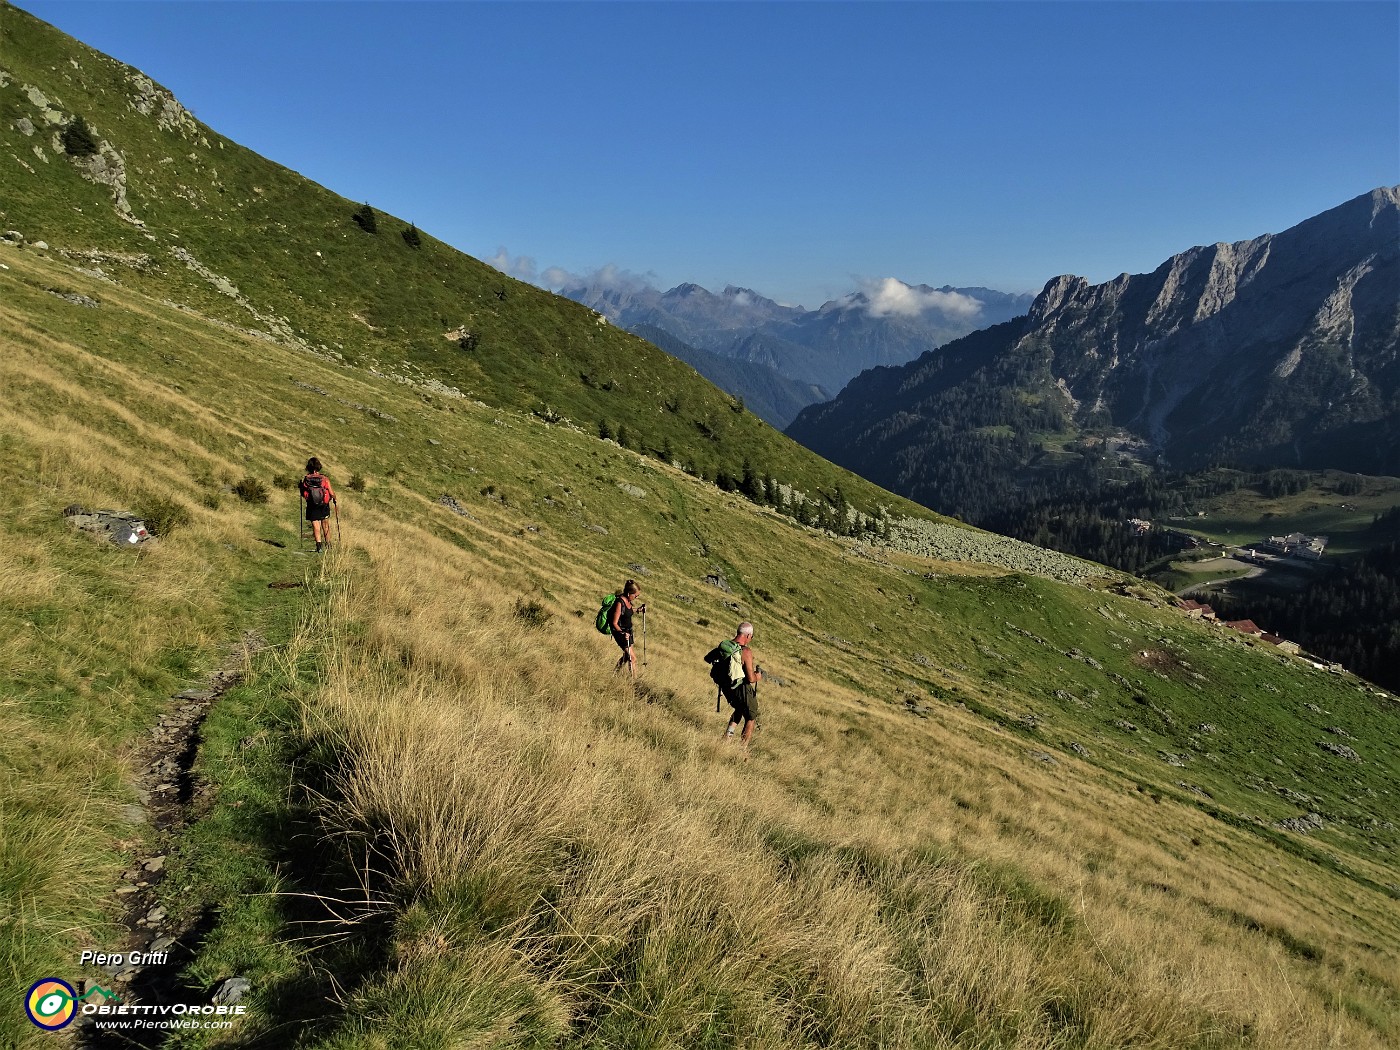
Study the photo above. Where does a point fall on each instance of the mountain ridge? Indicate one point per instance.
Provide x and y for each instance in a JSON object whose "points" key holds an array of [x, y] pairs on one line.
{"points": [[167, 205], [889, 323], [1278, 350]]}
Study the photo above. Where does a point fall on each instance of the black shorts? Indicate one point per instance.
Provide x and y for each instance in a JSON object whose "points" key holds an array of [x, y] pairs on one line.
{"points": [[315, 513], [622, 640]]}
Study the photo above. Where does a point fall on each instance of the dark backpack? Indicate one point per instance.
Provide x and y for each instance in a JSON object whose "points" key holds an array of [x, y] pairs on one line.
{"points": [[604, 619], [727, 667], [313, 488]]}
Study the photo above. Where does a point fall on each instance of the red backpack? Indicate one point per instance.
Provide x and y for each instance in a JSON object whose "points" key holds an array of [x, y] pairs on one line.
{"points": [[314, 490]]}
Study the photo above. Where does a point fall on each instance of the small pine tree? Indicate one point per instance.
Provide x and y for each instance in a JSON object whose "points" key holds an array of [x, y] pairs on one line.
{"points": [[78, 139], [411, 237], [749, 484], [365, 220], [604, 431]]}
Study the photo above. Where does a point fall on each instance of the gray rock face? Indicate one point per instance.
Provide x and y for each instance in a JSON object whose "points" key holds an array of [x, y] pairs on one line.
{"points": [[232, 991], [1276, 351], [1252, 346], [1340, 750], [150, 99], [118, 527], [107, 168]]}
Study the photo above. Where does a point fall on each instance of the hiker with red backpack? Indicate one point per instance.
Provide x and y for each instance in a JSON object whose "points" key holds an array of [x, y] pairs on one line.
{"points": [[317, 497]]}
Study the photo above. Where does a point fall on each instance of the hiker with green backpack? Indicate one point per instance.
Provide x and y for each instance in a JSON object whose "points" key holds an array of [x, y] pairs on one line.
{"points": [[615, 618], [732, 669]]}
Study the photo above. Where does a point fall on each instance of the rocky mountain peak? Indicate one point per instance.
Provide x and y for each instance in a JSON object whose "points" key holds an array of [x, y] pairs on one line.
{"points": [[1279, 350]]}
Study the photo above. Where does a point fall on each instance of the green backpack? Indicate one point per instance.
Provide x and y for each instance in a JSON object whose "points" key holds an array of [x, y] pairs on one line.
{"points": [[727, 670], [604, 618]]}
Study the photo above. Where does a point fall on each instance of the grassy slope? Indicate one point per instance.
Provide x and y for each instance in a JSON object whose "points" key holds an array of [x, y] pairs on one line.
{"points": [[1247, 516], [871, 876], [529, 852], [290, 251]]}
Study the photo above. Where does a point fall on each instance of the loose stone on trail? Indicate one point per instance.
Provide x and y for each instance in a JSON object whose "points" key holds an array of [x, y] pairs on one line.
{"points": [[232, 991]]}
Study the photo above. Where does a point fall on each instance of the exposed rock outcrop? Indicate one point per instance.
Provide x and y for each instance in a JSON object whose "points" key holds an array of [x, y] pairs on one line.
{"points": [[1248, 347]]}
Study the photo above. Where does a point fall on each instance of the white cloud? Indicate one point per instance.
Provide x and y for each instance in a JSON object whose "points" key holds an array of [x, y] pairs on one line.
{"points": [[556, 277], [608, 277], [890, 297], [519, 266]]}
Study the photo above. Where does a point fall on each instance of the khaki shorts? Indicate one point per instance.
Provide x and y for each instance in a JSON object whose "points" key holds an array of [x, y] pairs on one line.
{"points": [[744, 700]]}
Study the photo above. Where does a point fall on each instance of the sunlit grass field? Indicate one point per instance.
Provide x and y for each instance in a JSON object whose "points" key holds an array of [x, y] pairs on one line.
{"points": [[436, 817]]}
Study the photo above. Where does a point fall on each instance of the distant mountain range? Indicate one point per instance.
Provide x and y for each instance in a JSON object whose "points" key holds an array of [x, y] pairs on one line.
{"points": [[818, 350], [1283, 350], [771, 396]]}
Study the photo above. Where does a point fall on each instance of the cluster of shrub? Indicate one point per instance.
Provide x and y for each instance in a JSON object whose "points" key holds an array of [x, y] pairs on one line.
{"points": [[831, 512], [366, 220]]}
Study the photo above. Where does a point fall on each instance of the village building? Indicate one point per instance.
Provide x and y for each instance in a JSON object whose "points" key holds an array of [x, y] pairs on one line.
{"points": [[1243, 626], [1297, 545]]}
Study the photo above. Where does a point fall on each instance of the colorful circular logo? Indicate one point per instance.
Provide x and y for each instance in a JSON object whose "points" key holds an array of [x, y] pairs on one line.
{"points": [[51, 1003]]}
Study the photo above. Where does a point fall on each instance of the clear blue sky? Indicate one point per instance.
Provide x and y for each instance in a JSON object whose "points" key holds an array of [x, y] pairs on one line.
{"points": [[797, 148]]}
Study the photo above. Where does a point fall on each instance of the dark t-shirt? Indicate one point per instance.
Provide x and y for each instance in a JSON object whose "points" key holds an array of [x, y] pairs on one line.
{"points": [[624, 616]]}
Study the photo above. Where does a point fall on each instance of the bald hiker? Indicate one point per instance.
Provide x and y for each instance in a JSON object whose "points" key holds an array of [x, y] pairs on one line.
{"points": [[733, 670]]}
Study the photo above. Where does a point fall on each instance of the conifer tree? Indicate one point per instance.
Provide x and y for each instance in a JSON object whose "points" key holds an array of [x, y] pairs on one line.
{"points": [[749, 485], [365, 219], [78, 139]]}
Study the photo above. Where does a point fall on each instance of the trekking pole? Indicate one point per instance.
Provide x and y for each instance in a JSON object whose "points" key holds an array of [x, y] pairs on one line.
{"points": [[301, 528], [644, 635], [336, 505]]}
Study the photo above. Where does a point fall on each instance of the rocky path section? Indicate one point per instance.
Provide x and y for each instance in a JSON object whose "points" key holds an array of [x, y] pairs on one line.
{"points": [[169, 800]]}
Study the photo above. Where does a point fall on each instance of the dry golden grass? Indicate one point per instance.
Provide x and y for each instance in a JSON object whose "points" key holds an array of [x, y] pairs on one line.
{"points": [[649, 885]]}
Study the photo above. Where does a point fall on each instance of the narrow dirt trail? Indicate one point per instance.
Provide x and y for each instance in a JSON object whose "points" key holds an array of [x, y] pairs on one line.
{"points": [[170, 799]]}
